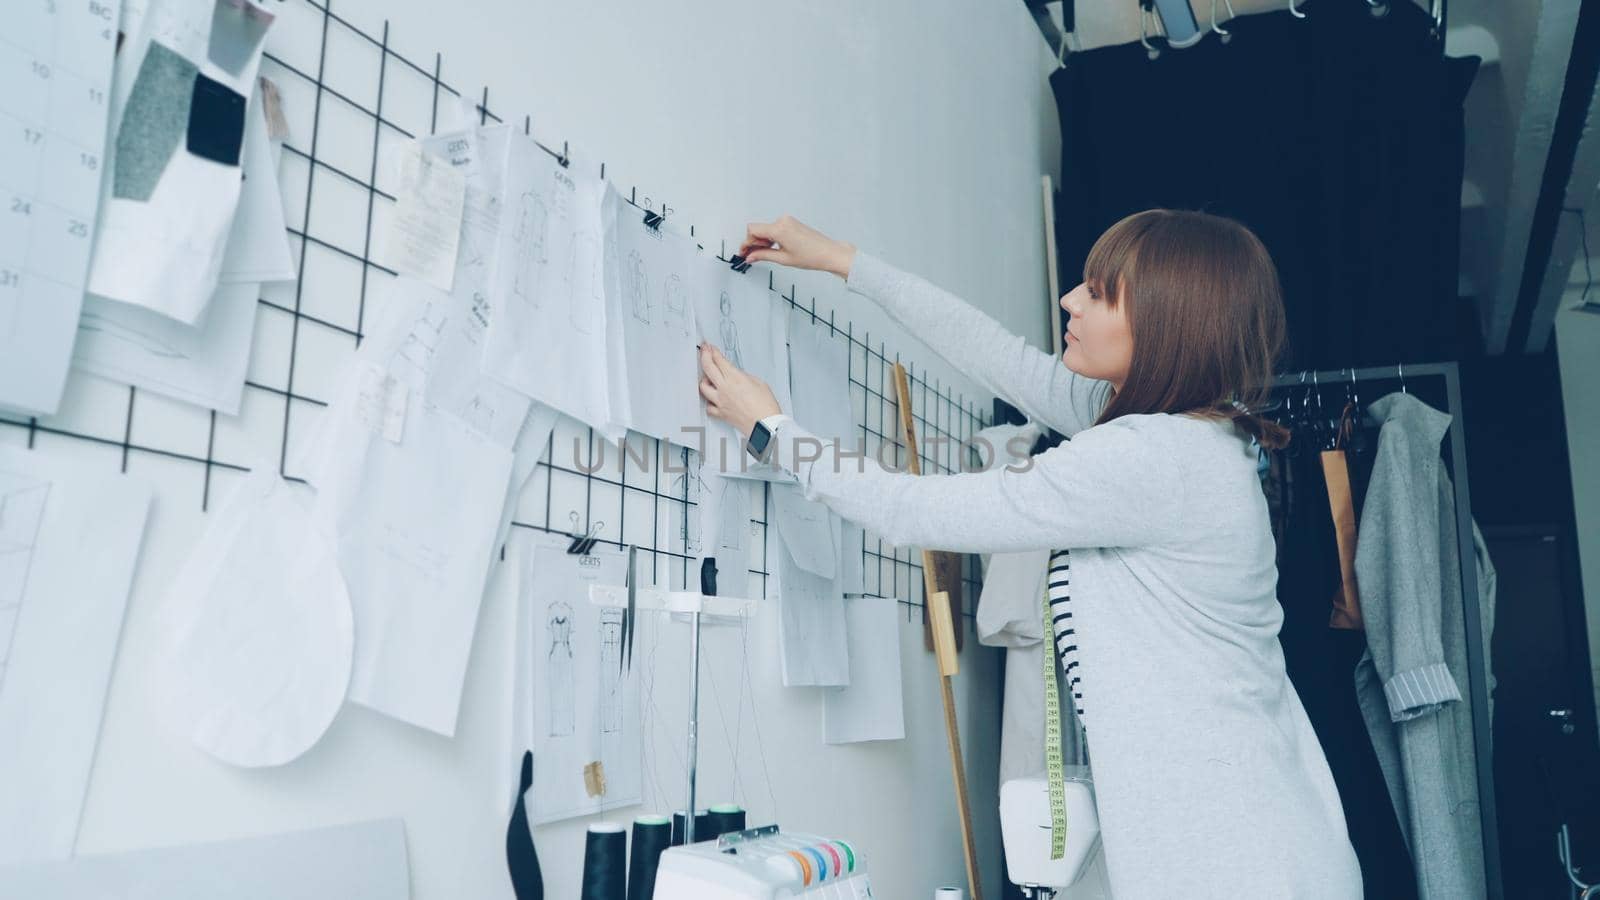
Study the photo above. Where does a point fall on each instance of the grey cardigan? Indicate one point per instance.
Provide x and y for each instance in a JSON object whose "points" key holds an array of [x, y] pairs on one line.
{"points": [[1411, 680], [1209, 779]]}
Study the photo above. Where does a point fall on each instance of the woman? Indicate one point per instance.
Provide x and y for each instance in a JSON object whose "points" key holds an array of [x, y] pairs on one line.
{"points": [[1209, 779]]}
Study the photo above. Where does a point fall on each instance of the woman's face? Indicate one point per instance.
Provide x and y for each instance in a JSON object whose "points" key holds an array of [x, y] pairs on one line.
{"points": [[1098, 342]]}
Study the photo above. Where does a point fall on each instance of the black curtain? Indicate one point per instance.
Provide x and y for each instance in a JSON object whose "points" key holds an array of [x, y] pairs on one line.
{"points": [[1336, 138]]}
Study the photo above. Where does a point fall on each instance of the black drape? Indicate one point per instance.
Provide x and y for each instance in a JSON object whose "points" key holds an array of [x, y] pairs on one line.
{"points": [[1338, 139]]}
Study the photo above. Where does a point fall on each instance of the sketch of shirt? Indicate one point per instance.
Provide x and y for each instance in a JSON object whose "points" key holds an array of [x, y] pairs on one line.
{"points": [[610, 670], [638, 292], [677, 303], [558, 668], [531, 218]]}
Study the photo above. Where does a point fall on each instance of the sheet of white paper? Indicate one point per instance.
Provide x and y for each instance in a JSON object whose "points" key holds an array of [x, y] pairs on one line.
{"points": [[163, 249], [547, 334], [819, 365], [811, 627], [203, 364], [582, 703], [806, 527], [650, 323], [852, 565], [738, 314], [57, 60], [872, 707], [257, 629], [360, 861], [531, 444], [416, 537], [454, 341], [425, 231], [69, 543]]}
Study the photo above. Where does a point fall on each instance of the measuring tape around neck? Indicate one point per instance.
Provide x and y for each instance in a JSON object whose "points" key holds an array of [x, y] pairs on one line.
{"points": [[1052, 739]]}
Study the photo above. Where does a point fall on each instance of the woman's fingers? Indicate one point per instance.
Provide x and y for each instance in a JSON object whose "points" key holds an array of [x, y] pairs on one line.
{"points": [[708, 391], [709, 365]]}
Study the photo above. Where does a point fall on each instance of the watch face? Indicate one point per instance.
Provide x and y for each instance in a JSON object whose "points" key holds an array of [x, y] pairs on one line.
{"points": [[759, 436]]}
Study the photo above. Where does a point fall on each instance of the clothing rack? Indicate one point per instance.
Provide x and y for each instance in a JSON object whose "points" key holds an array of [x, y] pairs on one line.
{"points": [[1477, 675]]}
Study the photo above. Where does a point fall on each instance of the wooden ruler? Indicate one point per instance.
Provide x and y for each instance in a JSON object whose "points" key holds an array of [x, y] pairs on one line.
{"points": [[944, 648]]}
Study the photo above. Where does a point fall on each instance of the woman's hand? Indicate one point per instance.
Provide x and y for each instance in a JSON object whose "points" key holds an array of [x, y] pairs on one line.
{"points": [[733, 395], [790, 242]]}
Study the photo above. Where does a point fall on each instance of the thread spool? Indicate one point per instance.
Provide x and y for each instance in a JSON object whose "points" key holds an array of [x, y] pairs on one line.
{"points": [[947, 893], [605, 861], [651, 835], [723, 818], [702, 827]]}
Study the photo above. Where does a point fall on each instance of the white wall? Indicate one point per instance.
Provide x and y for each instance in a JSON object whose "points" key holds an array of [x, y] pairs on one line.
{"points": [[916, 130], [1578, 343]]}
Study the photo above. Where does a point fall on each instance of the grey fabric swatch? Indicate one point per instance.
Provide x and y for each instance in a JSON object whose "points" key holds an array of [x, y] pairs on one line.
{"points": [[236, 31], [153, 122]]}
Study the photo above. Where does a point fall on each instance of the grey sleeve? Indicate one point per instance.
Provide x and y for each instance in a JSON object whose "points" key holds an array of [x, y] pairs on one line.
{"points": [[1397, 569], [1003, 363], [1108, 487]]}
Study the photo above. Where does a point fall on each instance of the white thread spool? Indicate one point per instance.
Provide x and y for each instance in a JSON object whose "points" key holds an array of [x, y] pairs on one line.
{"points": [[947, 893]]}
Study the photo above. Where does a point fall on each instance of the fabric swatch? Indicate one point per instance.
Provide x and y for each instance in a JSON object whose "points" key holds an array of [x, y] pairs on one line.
{"points": [[152, 122], [216, 121], [237, 28]]}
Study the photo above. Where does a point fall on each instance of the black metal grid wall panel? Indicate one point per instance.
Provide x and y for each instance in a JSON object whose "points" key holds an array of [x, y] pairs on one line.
{"points": [[352, 101]]}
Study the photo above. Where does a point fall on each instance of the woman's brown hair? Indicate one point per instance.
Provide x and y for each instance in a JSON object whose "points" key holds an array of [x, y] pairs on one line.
{"points": [[1205, 311]]}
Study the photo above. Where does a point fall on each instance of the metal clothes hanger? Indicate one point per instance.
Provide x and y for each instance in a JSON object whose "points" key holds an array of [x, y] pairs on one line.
{"points": [[1222, 34]]}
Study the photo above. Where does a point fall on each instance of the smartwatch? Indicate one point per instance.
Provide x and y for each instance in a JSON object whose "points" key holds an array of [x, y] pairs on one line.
{"points": [[760, 436]]}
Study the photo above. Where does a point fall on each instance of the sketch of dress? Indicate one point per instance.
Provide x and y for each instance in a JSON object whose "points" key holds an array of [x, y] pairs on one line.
{"points": [[730, 332], [558, 671], [21, 512], [532, 218], [677, 302], [633, 284], [610, 670]]}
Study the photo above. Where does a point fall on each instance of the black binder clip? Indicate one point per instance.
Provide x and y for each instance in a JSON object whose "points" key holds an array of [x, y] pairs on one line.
{"points": [[653, 220], [739, 263], [583, 544]]}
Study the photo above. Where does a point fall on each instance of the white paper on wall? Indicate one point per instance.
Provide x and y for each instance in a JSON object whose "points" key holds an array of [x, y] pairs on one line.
{"points": [[819, 366], [360, 861], [578, 704], [454, 379], [57, 60], [171, 188], [69, 544], [811, 627], [531, 444], [425, 231], [547, 334], [257, 629], [258, 245], [872, 708], [807, 528], [416, 519], [650, 324], [852, 565], [738, 314]]}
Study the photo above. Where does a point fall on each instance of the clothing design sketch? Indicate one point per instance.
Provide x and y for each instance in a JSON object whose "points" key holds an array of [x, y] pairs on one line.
{"points": [[677, 302], [558, 671], [633, 284], [730, 331], [532, 219], [21, 512], [610, 670]]}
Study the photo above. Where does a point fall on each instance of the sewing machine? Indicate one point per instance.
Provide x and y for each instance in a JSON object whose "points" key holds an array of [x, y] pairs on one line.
{"points": [[762, 864]]}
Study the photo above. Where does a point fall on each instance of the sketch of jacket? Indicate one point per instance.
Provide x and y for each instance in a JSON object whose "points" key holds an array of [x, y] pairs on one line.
{"points": [[1411, 680]]}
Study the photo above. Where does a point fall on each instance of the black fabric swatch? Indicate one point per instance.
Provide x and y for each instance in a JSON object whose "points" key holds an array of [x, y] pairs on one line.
{"points": [[216, 121]]}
